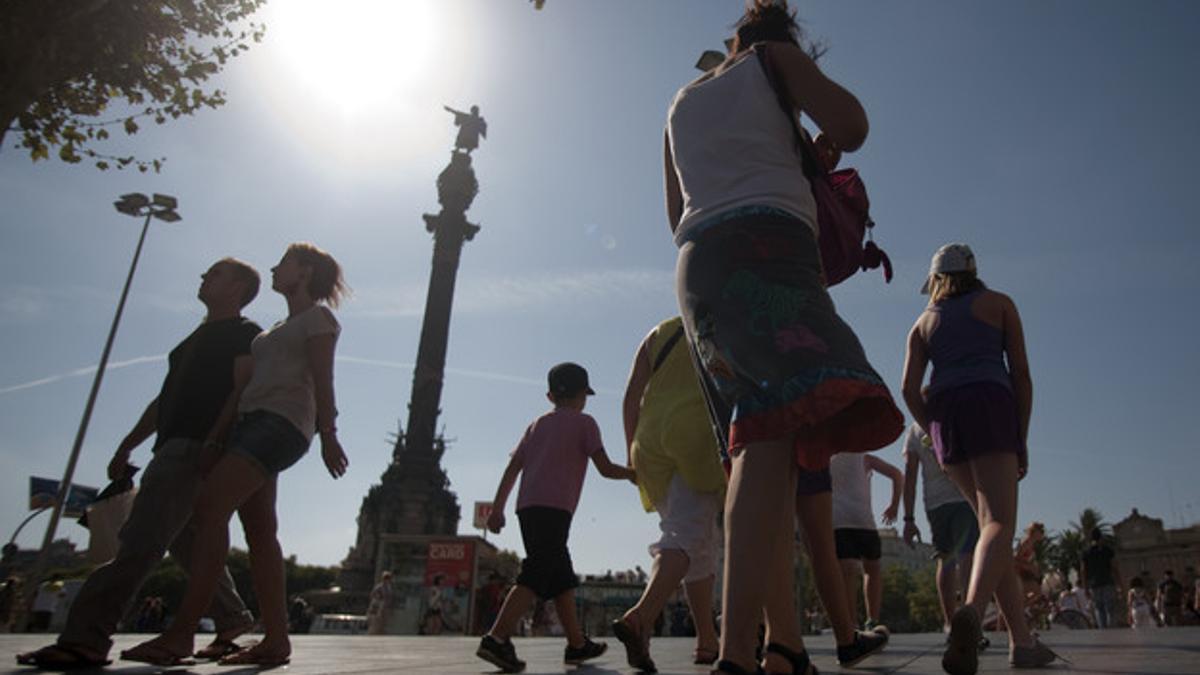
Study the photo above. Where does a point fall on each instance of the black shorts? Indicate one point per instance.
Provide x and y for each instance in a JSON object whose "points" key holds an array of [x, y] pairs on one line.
{"points": [[855, 544], [546, 569], [809, 483], [955, 529]]}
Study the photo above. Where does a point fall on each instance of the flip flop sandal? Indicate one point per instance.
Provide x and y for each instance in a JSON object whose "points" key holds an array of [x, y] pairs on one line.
{"points": [[218, 649], [156, 656], [249, 657], [60, 657]]}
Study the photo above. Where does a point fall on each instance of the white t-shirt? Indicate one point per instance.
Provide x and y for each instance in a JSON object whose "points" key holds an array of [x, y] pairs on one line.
{"points": [[282, 382], [851, 491], [939, 489]]}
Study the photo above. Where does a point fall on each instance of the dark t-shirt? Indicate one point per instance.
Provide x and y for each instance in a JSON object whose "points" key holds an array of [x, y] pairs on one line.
{"points": [[200, 377], [1098, 559], [1171, 592]]}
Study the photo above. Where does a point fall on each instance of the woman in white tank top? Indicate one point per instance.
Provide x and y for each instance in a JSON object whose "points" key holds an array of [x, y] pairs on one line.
{"points": [[788, 378]]}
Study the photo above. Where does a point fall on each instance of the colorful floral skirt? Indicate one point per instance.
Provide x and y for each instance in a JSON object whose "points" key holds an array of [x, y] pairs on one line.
{"points": [[771, 345]]}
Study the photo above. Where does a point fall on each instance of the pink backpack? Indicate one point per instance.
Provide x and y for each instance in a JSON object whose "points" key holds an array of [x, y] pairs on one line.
{"points": [[843, 210]]}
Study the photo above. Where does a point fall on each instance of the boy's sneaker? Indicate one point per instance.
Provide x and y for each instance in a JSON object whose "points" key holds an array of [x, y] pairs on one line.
{"points": [[500, 654], [864, 645], [588, 650]]}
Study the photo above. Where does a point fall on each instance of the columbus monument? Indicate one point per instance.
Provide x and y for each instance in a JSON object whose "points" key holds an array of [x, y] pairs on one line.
{"points": [[413, 502]]}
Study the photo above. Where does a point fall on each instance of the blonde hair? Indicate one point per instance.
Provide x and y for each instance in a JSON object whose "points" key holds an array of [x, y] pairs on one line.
{"points": [[326, 283], [946, 285]]}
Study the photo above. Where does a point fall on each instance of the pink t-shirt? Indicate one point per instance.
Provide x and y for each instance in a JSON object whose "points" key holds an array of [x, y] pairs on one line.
{"points": [[554, 454]]}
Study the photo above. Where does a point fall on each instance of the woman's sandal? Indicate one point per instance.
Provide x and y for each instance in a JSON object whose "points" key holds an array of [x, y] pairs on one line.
{"points": [[704, 657], [731, 668], [801, 665]]}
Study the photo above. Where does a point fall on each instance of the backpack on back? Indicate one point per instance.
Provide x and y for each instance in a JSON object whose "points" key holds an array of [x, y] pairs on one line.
{"points": [[843, 210]]}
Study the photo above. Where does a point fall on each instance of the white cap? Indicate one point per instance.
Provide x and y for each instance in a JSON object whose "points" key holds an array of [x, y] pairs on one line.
{"points": [[950, 258]]}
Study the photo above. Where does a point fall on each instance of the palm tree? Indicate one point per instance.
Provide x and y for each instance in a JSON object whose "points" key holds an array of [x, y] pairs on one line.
{"points": [[1065, 552], [1090, 519]]}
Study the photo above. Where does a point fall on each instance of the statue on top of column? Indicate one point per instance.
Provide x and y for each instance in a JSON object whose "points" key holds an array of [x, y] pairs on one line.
{"points": [[470, 127]]}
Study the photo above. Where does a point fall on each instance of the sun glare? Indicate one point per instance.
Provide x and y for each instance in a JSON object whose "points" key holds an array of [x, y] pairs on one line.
{"points": [[355, 54]]}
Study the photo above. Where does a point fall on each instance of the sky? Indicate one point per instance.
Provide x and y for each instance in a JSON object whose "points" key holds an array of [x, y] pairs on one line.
{"points": [[1056, 138]]}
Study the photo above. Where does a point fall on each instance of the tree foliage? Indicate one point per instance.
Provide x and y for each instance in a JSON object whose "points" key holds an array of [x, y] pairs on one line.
{"points": [[71, 70]]}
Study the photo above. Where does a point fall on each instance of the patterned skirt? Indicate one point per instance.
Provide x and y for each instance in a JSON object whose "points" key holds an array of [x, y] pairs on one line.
{"points": [[771, 345]]}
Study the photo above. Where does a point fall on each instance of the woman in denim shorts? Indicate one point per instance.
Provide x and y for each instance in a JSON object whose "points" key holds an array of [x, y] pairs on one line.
{"points": [[286, 396]]}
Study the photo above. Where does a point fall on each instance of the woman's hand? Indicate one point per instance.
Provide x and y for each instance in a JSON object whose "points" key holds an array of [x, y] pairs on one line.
{"points": [[827, 152], [333, 455], [495, 521]]}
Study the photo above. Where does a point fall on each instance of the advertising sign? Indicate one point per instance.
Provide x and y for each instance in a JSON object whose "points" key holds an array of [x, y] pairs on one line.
{"points": [[449, 568], [43, 492], [483, 510]]}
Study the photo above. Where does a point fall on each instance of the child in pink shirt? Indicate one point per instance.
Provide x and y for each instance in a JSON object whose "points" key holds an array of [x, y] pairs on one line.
{"points": [[552, 461]]}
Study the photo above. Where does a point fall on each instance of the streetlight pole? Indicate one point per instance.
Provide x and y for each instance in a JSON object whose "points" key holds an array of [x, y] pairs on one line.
{"points": [[133, 204]]}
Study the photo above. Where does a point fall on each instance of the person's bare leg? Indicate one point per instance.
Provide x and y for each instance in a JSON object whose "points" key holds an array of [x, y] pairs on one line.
{"points": [[228, 486], [782, 617], [947, 587], [873, 588], [699, 597], [564, 604], [990, 483], [266, 568], [668, 569], [850, 583], [816, 520], [518, 601], [763, 477]]}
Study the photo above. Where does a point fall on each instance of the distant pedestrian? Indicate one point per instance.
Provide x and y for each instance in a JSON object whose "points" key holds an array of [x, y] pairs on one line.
{"points": [[288, 399], [1170, 599], [857, 539], [792, 376], [671, 446], [1099, 574], [977, 413], [551, 460], [953, 524], [1141, 607], [190, 419], [379, 608]]}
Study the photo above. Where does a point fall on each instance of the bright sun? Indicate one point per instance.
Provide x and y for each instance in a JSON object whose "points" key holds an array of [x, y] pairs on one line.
{"points": [[355, 54]]}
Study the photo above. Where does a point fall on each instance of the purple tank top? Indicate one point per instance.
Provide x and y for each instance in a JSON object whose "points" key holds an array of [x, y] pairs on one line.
{"points": [[964, 349]]}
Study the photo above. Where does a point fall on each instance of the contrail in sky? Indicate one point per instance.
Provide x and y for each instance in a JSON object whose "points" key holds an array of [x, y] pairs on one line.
{"points": [[476, 374]]}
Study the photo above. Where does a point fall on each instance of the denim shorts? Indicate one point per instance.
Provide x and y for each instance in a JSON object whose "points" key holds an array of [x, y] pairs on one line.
{"points": [[268, 440]]}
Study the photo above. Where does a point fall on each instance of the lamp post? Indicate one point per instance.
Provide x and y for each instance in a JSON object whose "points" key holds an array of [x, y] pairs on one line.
{"points": [[133, 204]]}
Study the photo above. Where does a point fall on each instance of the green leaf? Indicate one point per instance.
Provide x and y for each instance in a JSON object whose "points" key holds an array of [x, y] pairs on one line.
{"points": [[102, 165], [131, 127]]}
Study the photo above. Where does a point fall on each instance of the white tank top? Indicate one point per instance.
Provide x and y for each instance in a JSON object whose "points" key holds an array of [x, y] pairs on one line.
{"points": [[851, 491], [733, 146]]}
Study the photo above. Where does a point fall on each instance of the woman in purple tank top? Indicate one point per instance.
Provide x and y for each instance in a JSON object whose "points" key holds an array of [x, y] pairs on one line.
{"points": [[976, 410]]}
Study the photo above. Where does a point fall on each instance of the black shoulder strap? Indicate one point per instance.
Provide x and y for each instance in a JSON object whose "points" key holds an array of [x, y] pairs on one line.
{"points": [[807, 157], [666, 349]]}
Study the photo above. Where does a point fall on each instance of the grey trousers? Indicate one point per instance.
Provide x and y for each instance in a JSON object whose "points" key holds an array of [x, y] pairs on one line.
{"points": [[159, 521]]}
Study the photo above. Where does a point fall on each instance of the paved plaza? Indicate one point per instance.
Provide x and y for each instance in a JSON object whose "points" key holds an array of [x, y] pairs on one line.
{"points": [[1112, 652]]}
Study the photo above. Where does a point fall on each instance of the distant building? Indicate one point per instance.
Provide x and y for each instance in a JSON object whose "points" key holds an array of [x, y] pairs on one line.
{"points": [[1146, 549]]}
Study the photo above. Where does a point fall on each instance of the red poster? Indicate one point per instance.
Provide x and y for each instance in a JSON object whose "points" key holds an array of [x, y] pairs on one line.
{"points": [[450, 563]]}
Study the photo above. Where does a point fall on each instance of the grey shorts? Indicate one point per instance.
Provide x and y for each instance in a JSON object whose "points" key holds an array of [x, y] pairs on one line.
{"points": [[955, 529], [268, 440]]}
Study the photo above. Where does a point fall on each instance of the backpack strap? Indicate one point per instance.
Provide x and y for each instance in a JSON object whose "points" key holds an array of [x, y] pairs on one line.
{"points": [[666, 349]]}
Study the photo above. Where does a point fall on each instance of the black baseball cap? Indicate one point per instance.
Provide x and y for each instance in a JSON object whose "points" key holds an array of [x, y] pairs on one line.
{"points": [[568, 379]]}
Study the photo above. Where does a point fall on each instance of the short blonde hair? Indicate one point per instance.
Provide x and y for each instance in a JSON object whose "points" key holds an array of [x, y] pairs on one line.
{"points": [[946, 285], [326, 283]]}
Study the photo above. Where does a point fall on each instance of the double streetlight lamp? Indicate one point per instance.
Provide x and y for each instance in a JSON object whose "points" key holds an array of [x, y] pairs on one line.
{"points": [[161, 207]]}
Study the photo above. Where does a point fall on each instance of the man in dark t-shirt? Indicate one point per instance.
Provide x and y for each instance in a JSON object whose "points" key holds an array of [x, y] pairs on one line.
{"points": [[189, 418], [1101, 578]]}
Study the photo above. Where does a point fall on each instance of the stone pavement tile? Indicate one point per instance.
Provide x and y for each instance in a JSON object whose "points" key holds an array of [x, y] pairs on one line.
{"points": [[1112, 652]]}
